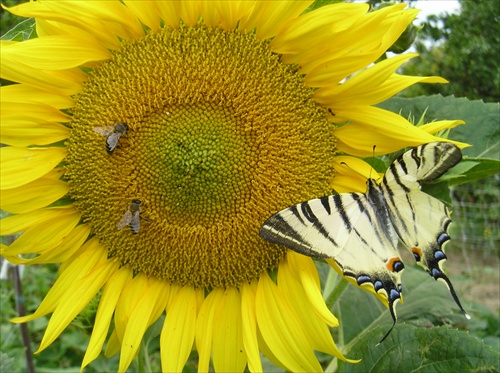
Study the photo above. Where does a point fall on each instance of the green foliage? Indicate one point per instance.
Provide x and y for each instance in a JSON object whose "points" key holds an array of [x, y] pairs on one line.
{"points": [[64, 355], [24, 30], [8, 20], [412, 349], [424, 333], [482, 128], [464, 49]]}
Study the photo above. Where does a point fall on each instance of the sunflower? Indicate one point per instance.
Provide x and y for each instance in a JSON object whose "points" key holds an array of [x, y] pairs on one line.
{"points": [[191, 122]]}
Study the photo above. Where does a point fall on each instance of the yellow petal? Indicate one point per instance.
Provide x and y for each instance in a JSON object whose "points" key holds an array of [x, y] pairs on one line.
{"points": [[22, 132], [27, 111], [109, 298], [228, 350], [26, 94], [91, 254], [113, 346], [309, 279], [21, 166], [178, 331], [128, 301], [45, 235], [310, 288], [387, 131], [249, 326], [205, 328], [103, 22], [441, 125], [35, 195], [312, 325], [269, 17], [225, 14], [366, 81], [76, 298], [22, 222], [24, 165], [39, 53], [310, 29], [65, 82], [351, 174], [146, 11], [146, 311], [69, 246], [171, 11], [278, 324], [373, 85]]}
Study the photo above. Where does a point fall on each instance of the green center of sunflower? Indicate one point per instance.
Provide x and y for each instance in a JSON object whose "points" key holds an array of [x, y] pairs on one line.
{"points": [[220, 135]]}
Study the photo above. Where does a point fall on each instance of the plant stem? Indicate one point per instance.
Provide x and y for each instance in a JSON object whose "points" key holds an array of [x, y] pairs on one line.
{"points": [[21, 310], [336, 293]]}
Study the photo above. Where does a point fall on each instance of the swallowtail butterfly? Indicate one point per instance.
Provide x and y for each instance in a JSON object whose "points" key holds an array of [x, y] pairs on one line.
{"points": [[361, 231]]}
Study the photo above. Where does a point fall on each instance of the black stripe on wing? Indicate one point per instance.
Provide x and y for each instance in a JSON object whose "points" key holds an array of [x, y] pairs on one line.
{"points": [[317, 224], [277, 230], [298, 226], [337, 200]]}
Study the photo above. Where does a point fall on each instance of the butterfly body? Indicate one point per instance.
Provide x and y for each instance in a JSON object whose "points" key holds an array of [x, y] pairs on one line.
{"points": [[361, 231]]}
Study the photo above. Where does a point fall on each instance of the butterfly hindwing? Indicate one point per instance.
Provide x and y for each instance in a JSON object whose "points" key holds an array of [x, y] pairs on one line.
{"points": [[423, 224]]}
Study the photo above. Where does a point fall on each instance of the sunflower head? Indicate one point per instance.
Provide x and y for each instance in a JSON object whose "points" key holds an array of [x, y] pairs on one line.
{"points": [[218, 138], [190, 123]]}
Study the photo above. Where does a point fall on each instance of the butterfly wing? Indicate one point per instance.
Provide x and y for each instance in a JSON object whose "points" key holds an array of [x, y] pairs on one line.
{"points": [[420, 220], [348, 229], [424, 163]]}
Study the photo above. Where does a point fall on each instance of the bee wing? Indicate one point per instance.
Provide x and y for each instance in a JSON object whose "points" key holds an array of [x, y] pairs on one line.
{"points": [[105, 131], [125, 220], [112, 141], [135, 222]]}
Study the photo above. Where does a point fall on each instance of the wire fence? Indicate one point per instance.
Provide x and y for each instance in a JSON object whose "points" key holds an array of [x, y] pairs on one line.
{"points": [[476, 217]]}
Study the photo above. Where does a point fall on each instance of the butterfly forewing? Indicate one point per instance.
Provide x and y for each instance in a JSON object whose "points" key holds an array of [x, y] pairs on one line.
{"points": [[335, 227], [424, 163]]}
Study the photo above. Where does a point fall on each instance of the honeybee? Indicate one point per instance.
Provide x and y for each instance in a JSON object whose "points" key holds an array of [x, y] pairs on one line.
{"points": [[113, 134], [131, 217]]}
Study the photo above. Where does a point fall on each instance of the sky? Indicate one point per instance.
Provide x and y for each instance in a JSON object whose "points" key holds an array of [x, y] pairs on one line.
{"points": [[429, 7]]}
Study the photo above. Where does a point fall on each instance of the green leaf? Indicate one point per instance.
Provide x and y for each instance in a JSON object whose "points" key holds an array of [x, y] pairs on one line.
{"points": [[24, 30], [473, 169], [482, 128], [426, 302], [377, 163], [319, 3], [412, 349], [441, 191]]}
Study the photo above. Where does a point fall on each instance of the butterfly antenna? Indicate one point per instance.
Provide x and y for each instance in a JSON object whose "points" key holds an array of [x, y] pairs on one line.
{"points": [[445, 278]]}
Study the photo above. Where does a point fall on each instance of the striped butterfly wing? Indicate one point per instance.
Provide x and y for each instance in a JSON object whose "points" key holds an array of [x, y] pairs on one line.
{"points": [[347, 228], [420, 220], [360, 231]]}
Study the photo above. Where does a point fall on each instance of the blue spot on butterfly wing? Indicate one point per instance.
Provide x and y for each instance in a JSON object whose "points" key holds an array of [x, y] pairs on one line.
{"points": [[363, 279]]}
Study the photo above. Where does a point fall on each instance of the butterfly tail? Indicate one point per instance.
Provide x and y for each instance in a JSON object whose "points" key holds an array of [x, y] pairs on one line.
{"points": [[439, 275]]}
